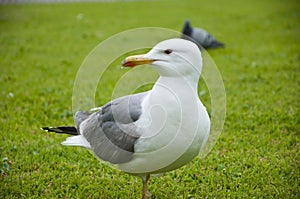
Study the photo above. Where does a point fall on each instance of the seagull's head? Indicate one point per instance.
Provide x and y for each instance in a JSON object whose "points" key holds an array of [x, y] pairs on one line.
{"points": [[173, 57]]}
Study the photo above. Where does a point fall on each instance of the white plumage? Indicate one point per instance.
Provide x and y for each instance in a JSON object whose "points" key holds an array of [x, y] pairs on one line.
{"points": [[155, 131]]}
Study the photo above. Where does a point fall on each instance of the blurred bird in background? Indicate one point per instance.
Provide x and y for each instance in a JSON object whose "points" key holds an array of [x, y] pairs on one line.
{"points": [[199, 36]]}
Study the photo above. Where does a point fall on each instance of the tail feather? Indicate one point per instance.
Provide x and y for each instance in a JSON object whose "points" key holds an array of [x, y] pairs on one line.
{"points": [[78, 140], [71, 130]]}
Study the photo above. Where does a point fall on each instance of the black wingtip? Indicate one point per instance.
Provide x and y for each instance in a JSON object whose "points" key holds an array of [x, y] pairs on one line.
{"points": [[45, 129], [71, 130]]}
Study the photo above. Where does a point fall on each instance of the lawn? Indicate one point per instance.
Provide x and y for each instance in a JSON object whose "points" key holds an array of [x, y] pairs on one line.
{"points": [[257, 154]]}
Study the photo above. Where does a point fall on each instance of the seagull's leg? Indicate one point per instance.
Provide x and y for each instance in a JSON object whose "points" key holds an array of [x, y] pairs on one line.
{"points": [[146, 193]]}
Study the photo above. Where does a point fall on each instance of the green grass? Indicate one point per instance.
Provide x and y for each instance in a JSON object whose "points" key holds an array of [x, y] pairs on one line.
{"points": [[256, 156]]}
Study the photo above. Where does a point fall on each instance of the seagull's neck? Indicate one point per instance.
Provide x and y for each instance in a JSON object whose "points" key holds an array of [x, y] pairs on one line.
{"points": [[173, 92], [171, 107], [178, 83]]}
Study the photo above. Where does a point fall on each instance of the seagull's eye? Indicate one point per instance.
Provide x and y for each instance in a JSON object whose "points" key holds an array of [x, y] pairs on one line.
{"points": [[168, 51]]}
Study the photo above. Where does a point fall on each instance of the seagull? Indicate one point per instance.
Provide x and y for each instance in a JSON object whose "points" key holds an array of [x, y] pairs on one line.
{"points": [[152, 132], [199, 36]]}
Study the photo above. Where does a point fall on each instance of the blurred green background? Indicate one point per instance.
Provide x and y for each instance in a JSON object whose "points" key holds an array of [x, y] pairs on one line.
{"points": [[256, 156]]}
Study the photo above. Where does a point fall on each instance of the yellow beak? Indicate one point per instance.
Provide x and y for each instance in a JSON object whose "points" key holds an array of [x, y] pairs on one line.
{"points": [[136, 60]]}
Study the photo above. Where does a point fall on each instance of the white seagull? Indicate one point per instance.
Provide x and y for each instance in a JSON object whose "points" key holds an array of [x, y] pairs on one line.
{"points": [[155, 131]]}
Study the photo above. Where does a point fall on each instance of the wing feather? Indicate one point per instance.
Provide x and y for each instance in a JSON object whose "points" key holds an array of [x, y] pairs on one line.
{"points": [[111, 131]]}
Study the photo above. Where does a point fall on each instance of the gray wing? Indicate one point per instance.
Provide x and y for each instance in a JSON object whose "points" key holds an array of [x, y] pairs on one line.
{"points": [[205, 39], [201, 36], [111, 131]]}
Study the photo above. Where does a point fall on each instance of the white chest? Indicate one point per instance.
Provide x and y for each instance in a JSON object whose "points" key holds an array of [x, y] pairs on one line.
{"points": [[174, 123]]}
